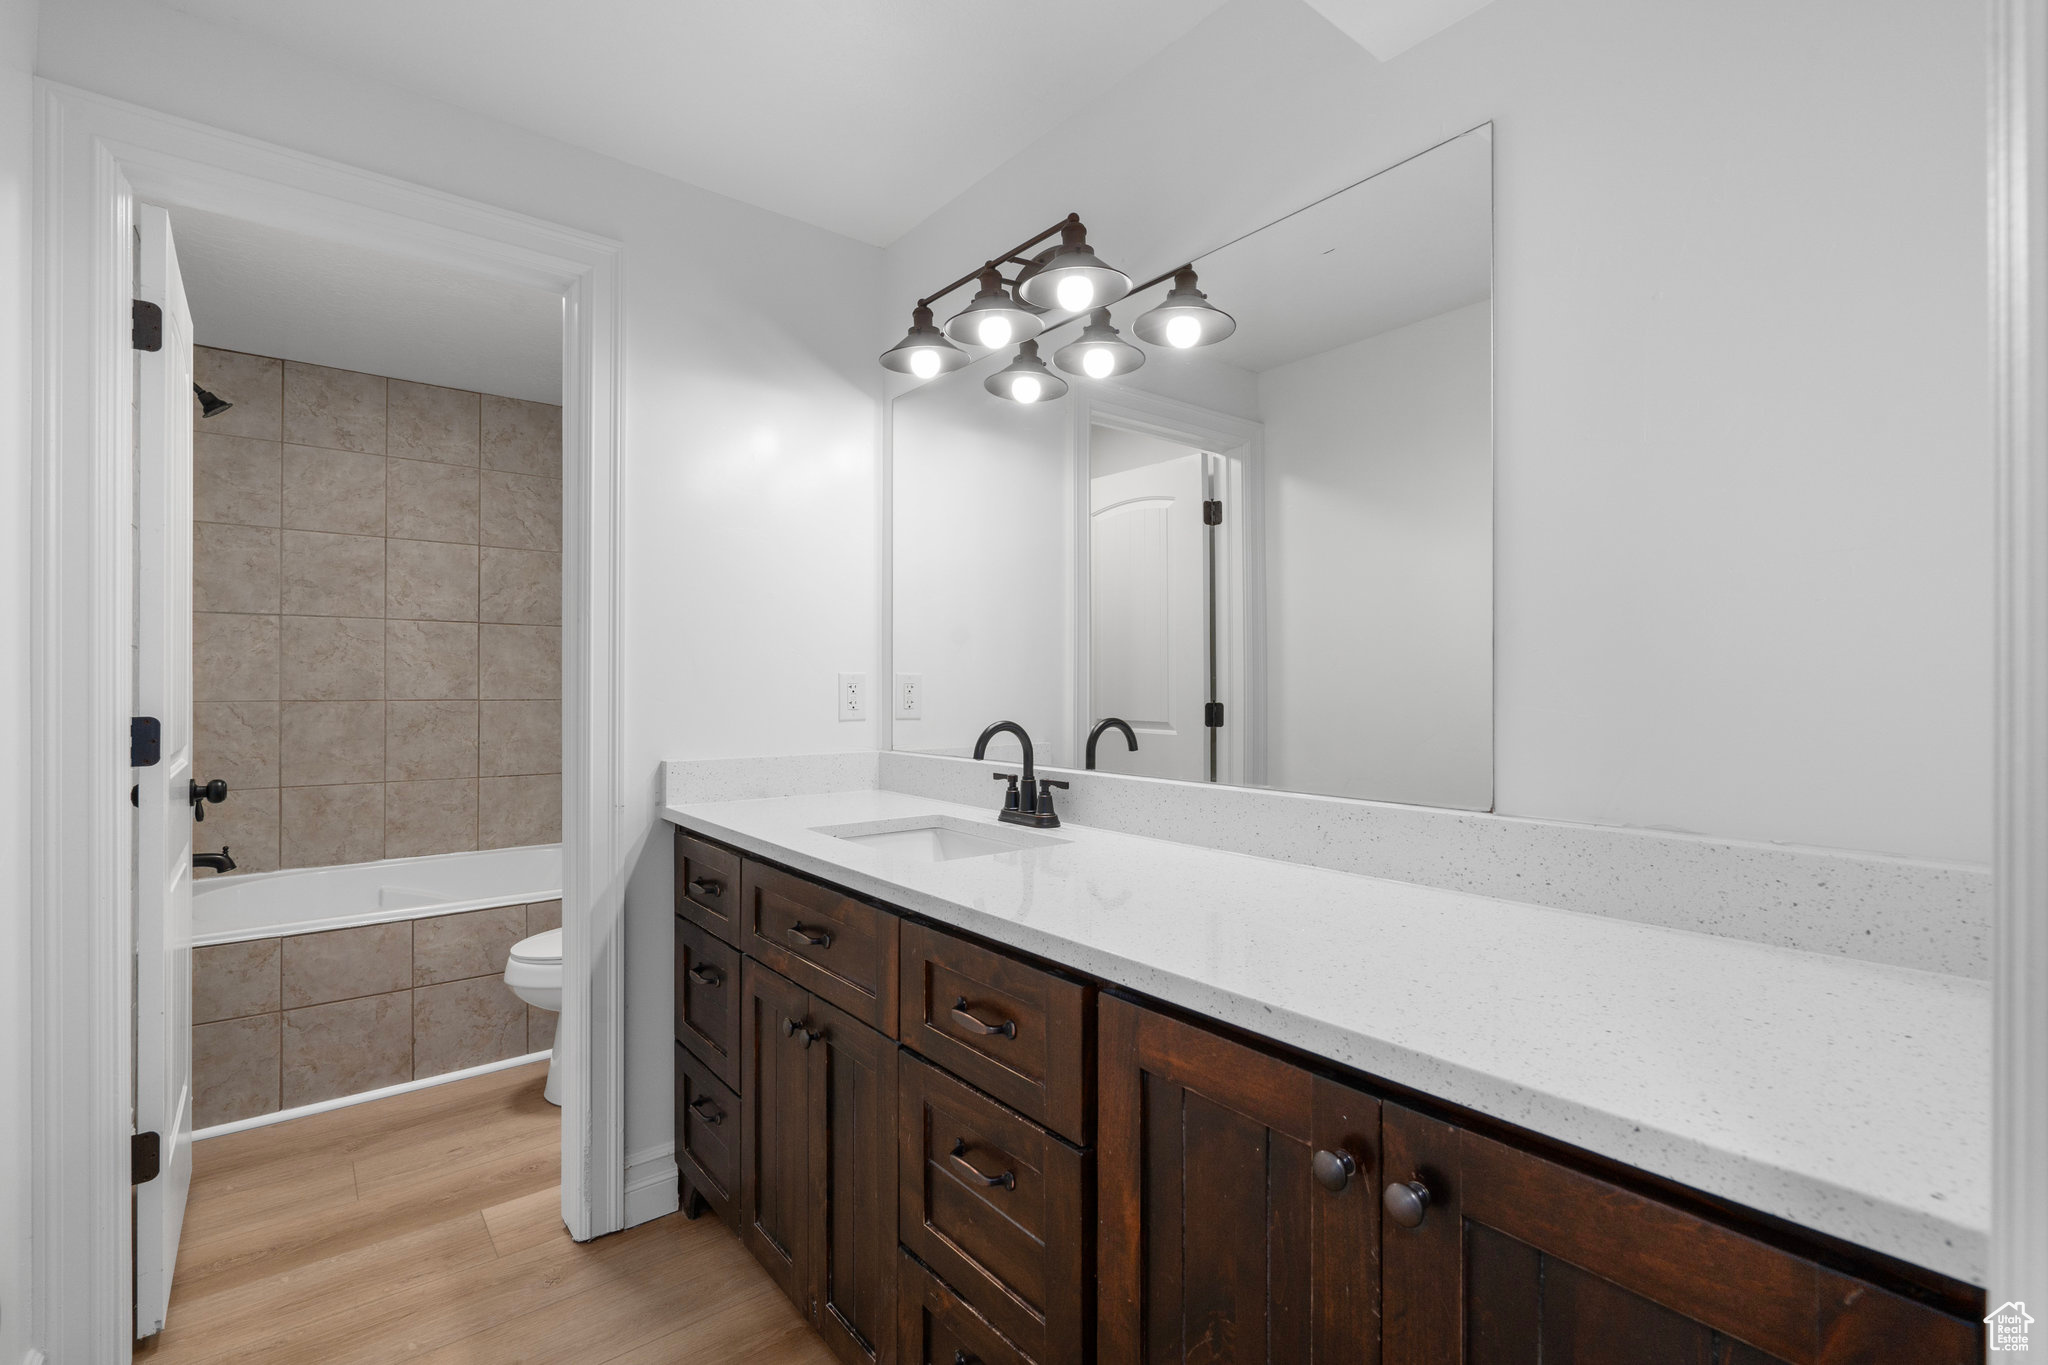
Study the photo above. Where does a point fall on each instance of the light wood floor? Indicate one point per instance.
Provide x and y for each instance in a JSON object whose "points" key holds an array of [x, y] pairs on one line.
{"points": [[427, 1227]]}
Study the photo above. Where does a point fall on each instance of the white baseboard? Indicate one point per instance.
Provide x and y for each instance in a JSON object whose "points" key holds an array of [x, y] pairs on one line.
{"points": [[653, 1184], [307, 1110]]}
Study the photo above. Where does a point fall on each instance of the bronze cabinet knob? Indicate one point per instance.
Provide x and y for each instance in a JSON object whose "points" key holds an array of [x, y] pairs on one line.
{"points": [[1407, 1202], [1333, 1170]]}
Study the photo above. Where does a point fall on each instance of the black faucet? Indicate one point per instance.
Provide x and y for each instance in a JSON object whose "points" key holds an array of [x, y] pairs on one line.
{"points": [[219, 862], [1033, 805], [1109, 723]]}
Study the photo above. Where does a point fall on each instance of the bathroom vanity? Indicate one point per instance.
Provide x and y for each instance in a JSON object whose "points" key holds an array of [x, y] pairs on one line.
{"points": [[1115, 1099]]}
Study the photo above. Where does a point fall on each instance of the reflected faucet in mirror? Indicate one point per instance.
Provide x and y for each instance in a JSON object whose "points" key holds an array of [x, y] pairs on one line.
{"points": [[1033, 804], [1109, 723]]}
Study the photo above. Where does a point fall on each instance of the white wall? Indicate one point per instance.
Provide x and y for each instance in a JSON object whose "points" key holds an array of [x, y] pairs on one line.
{"points": [[749, 415], [1744, 488], [1379, 565], [17, 168]]}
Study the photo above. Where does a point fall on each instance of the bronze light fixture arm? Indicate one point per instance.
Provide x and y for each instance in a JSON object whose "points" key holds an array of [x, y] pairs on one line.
{"points": [[1015, 253]]}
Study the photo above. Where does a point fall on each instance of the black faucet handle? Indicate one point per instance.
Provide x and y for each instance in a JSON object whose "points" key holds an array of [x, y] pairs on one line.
{"points": [[1012, 799], [1045, 812]]}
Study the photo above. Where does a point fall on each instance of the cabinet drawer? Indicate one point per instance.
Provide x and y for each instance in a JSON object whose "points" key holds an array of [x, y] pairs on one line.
{"points": [[1021, 1033], [936, 1327], [708, 886], [708, 1000], [841, 949], [999, 1207], [708, 1135]]}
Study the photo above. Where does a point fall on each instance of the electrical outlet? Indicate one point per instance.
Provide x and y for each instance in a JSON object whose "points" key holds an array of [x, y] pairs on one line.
{"points": [[910, 696], [853, 696]]}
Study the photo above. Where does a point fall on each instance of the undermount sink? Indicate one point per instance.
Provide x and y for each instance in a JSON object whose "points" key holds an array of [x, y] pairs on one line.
{"points": [[937, 838]]}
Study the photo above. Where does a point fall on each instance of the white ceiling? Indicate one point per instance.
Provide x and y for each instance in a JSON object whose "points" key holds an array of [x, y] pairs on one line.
{"points": [[1387, 28], [861, 116], [269, 292]]}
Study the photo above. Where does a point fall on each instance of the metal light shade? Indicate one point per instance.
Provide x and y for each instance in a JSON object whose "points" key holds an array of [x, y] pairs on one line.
{"points": [[1025, 379], [1099, 352], [924, 351], [1184, 318], [1072, 277], [992, 318]]}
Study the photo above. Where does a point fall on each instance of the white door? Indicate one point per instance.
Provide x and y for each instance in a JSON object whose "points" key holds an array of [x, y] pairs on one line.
{"points": [[1148, 646], [163, 815]]}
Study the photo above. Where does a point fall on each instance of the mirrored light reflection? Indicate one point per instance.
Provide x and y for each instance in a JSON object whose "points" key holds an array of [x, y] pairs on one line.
{"points": [[1098, 363], [1183, 332], [1025, 388], [995, 332], [924, 362], [1075, 293]]}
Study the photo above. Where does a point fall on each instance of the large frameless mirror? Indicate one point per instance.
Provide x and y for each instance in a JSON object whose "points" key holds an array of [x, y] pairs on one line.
{"points": [[1271, 558]]}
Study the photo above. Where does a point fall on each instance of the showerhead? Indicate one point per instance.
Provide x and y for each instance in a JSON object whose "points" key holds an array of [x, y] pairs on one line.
{"points": [[210, 405]]}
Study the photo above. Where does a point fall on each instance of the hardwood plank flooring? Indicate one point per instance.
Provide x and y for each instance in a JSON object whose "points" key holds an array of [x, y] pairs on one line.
{"points": [[427, 1227]]}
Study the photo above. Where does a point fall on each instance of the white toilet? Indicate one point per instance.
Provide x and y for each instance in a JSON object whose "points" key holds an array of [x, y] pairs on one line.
{"points": [[534, 972]]}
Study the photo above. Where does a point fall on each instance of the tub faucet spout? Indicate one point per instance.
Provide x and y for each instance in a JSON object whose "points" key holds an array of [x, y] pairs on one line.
{"points": [[219, 862]]}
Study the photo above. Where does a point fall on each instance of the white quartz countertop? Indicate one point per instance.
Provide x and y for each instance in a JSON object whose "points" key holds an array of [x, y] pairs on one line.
{"points": [[1845, 1096]]}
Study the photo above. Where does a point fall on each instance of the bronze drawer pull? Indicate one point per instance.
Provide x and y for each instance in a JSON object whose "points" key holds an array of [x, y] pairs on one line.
{"points": [[1008, 1028], [706, 1110], [1008, 1179], [708, 975], [790, 1029], [809, 938], [708, 886]]}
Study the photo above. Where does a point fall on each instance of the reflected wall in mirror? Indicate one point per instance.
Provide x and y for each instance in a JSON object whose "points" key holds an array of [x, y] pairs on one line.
{"points": [[1271, 557]]}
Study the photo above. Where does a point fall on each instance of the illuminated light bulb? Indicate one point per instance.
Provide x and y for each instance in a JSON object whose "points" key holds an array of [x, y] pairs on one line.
{"points": [[1075, 293], [924, 362], [1098, 363], [1025, 388], [1183, 332], [994, 332]]}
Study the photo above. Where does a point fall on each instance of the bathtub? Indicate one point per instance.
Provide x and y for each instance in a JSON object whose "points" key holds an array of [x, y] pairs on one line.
{"points": [[304, 900]]}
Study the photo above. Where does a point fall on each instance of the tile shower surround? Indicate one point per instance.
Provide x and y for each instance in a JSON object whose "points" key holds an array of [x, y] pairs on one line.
{"points": [[283, 1022], [377, 629]]}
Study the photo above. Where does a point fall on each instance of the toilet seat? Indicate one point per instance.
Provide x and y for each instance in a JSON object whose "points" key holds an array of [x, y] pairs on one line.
{"points": [[542, 947]]}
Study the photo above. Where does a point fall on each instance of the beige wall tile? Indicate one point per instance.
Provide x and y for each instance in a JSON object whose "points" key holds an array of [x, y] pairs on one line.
{"points": [[234, 1070], [253, 383], [430, 423], [540, 1029], [466, 1023], [333, 575], [521, 512], [542, 916], [334, 490], [331, 658], [343, 963], [421, 818], [347, 1047], [234, 658], [519, 587], [235, 479], [431, 581], [515, 811], [430, 660], [432, 502], [333, 409], [452, 947], [328, 826], [234, 980], [424, 740], [522, 437], [520, 662], [234, 568], [246, 825], [519, 737], [235, 741], [324, 743]]}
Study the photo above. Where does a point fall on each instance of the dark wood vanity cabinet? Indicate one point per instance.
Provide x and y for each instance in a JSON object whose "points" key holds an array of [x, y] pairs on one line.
{"points": [[708, 886]]}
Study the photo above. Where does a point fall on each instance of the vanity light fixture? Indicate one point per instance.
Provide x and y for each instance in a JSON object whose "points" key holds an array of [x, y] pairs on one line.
{"points": [[924, 351], [1100, 351], [1071, 276], [1185, 317], [992, 318], [1025, 379]]}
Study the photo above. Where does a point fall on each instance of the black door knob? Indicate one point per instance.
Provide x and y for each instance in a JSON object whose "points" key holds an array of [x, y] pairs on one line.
{"points": [[1333, 1170], [1407, 1201], [215, 791]]}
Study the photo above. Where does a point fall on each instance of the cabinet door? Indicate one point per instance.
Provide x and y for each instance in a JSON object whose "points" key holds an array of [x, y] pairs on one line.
{"points": [[1219, 1238], [852, 1185], [1512, 1260], [775, 1143]]}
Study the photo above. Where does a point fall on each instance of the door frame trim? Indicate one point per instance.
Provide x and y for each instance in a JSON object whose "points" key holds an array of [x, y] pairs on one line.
{"points": [[94, 157]]}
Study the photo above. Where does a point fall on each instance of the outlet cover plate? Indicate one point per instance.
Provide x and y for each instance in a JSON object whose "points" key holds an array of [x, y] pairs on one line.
{"points": [[910, 696], [853, 696]]}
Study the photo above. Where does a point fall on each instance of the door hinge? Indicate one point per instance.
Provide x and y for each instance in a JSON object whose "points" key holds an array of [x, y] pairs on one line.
{"points": [[145, 1158], [1212, 714], [145, 742], [1212, 513], [147, 334]]}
